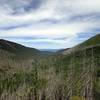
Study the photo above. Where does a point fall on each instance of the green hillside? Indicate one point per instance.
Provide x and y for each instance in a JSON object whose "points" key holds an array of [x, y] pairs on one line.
{"points": [[92, 41]]}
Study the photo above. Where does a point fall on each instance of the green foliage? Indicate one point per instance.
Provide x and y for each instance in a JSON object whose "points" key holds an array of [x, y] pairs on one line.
{"points": [[92, 41], [77, 98]]}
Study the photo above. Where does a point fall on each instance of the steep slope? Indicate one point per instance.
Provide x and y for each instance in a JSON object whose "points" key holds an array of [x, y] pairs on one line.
{"points": [[92, 42], [17, 49]]}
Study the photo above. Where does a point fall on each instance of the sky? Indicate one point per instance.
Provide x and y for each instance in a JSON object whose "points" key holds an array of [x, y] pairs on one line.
{"points": [[49, 24]]}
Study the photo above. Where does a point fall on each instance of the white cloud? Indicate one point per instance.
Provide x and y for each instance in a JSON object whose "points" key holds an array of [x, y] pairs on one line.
{"points": [[73, 18], [51, 31]]}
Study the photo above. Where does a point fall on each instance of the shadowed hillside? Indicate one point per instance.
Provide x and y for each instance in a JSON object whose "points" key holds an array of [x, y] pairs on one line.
{"points": [[17, 48]]}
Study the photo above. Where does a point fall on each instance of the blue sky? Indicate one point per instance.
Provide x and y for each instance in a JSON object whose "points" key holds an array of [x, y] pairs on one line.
{"points": [[49, 24]]}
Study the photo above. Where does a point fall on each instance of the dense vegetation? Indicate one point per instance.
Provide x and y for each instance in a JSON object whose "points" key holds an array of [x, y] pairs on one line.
{"points": [[61, 76]]}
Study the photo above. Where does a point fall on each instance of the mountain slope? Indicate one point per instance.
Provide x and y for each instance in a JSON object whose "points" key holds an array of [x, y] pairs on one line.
{"points": [[17, 49], [92, 42]]}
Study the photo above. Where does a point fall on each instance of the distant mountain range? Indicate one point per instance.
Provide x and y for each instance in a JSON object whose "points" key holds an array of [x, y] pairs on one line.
{"points": [[49, 50]]}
